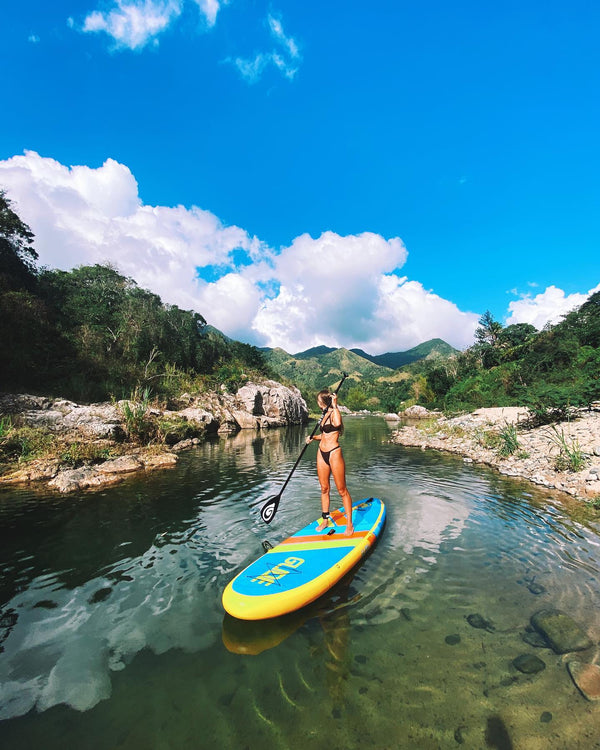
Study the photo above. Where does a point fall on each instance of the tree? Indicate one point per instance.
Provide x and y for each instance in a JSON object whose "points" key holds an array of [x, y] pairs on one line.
{"points": [[516, 334], [17, 255], [489, 330]]}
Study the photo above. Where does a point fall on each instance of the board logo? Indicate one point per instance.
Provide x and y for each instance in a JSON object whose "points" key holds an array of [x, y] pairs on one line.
{"points": [[272, 575]]}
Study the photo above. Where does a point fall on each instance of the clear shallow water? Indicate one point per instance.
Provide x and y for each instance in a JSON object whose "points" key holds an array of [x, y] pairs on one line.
{"points": [[114, 635]]}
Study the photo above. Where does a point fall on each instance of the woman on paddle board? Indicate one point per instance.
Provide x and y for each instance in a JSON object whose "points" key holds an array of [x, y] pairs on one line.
{"points": [[330, 459]]}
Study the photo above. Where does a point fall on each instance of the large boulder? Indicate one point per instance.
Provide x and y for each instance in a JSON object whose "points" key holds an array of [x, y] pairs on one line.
{"points": [[417, 412], [279, 404]]}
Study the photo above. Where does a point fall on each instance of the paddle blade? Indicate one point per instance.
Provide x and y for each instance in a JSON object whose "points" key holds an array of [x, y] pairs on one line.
{"points": [[267, 512]]}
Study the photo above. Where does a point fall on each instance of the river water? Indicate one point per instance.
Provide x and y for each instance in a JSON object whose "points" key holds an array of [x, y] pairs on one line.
{"points": [[113, 635]]}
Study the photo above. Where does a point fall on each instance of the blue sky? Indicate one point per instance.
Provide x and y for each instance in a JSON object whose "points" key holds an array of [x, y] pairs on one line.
{"points": [[340, 173]]}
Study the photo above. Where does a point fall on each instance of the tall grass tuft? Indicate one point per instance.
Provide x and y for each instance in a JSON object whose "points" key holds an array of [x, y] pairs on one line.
{"points": [[135, 411], [508, 440], [570, 455]]}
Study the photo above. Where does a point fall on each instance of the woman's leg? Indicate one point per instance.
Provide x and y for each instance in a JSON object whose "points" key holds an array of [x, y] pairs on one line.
{"points": [[324, 474], [338, 468]]}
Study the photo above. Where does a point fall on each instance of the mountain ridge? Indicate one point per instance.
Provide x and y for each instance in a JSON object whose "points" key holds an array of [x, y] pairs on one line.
{"points": [[394, 360], [321, 366]]}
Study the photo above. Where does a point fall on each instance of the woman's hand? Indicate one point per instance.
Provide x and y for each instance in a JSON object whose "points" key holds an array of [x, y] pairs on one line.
{"points": [[308, 440], [334, 402]]}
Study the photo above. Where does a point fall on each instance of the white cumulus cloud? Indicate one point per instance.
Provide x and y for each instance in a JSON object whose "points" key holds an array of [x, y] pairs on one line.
{"points": [[132, 24], [81, 215], [334, 290], [548, 306]]}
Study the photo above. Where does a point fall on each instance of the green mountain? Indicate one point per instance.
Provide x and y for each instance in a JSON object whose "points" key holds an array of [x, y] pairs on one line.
{"points": [[316, 351], [323, 366], [394, 360]]}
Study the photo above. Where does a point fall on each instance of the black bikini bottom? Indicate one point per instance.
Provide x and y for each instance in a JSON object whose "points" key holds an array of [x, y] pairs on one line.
{"points": [[326, 454]]}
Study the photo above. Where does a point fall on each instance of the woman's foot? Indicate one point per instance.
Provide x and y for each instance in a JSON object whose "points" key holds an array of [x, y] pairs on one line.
{"points": [[323, 524], [349, 531]]}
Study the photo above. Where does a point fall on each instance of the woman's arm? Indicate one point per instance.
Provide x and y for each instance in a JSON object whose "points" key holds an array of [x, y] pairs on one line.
{"points": [[336, 417]]}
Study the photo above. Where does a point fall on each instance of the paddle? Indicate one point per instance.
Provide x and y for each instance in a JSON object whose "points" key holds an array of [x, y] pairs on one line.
{"points": [[269, 509]]}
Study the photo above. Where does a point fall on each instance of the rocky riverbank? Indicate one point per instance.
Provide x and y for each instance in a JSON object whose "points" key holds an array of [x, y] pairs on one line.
{"points": [[89, 446], [564, 456]]}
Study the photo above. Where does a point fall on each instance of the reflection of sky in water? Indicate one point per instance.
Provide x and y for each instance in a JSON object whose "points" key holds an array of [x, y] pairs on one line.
{"points": [[64, 654]]}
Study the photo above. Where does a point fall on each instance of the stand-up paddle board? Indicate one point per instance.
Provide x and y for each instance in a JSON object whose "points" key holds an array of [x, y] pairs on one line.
{"points": [[304, 566]]}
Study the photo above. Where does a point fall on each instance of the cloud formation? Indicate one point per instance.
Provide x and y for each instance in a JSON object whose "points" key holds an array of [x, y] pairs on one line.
{"points": [[285, 57], [548, 306], [334, 290], [82, 215], [133, 23]]}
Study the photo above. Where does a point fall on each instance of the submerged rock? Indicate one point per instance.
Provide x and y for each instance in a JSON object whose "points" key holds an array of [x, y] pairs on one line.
{"points": [[534, 639], [561, 631], [528, 664], [536, 588], [452, 640], [478, 621], [586, 677]]}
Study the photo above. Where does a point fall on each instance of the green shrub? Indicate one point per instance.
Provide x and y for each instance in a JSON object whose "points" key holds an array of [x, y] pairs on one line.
{"points": [[488, 439], [171, 430], [550, 403], [26, 443], [79, 454]]}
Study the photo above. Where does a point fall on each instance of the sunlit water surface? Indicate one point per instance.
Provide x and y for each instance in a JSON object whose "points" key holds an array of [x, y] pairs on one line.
{"points": [[113, 635]]}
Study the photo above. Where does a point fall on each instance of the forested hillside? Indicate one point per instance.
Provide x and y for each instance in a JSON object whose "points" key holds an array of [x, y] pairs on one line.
{"points": [[91, 333], [550, 371]]}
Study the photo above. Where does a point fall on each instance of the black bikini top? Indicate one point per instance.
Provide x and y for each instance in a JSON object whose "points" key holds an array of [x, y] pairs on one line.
{"points": [[329, 427]]}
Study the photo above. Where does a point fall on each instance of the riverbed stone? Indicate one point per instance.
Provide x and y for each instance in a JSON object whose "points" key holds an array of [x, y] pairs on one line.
{"points": [[536, 588], [528, 664], [534, 639], [586, 677], [452, 640], [120, 465], [560, 630], [478, 621], [160, 460]]}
